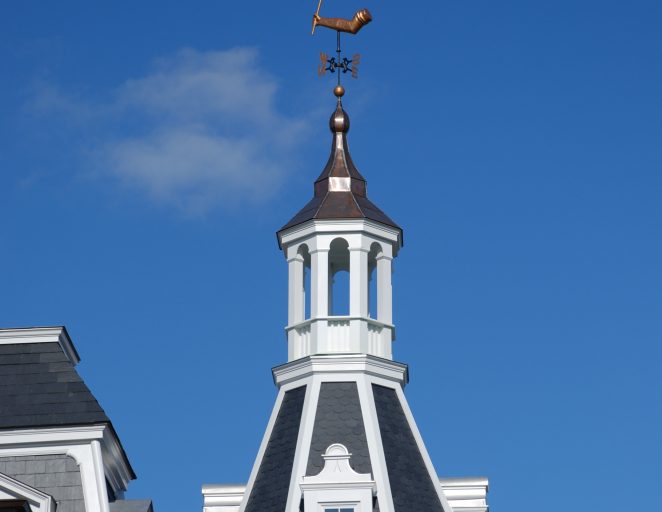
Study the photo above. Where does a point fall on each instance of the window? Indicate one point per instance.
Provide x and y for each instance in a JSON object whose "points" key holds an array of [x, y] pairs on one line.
{"points": [[338, 510], [339, 278]]}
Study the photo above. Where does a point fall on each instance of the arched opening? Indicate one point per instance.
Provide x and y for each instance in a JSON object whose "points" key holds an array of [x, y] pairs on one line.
{"points": [[375, 250], [305, 254], [339, 278]]}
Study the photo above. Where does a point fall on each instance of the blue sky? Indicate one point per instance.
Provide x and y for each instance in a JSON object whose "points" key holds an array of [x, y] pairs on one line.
{"points": [[149, 151]]}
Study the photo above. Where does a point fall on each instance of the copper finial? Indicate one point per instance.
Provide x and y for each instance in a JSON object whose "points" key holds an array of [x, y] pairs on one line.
{"points": [[339, 122]]}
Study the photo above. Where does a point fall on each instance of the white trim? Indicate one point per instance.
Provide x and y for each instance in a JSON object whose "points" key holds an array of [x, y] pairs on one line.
{"points": [[338, 485], [464, 494], [24, 335], [306, 229], [99, 474], [222, 498], [375, 445], [95, 449], [309, 321], [14, 489], [468, 494], [52, 435], [304, 441], [348, 365]]}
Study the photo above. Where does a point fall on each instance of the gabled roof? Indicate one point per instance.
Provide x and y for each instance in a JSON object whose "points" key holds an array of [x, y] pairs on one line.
{"points": [[340, 192]]}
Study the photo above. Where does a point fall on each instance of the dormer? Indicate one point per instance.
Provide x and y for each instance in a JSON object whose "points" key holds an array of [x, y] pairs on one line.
{"points": [[58, 448]]}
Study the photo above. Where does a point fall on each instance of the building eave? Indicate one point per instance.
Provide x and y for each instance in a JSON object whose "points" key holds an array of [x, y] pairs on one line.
{"points": [[48, 334]]}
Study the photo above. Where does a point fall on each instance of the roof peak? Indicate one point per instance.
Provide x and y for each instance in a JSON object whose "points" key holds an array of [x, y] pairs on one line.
{"points": [[340, 191], [340, 174]]}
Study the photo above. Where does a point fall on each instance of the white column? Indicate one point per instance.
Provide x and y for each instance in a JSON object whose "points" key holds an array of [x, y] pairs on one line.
{"points": [[296, 294], [319, 283], [384, 290], [358, 282]]}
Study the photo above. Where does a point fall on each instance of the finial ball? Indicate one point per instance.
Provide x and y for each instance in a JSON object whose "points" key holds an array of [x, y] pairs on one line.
{"points": [[339, 91]]}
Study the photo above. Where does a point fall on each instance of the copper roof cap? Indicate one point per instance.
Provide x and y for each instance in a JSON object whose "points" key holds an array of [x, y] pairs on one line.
{"points": [[340, 192]]}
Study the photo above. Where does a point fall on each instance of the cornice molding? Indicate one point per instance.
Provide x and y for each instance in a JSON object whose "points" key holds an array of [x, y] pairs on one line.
{"points": [[55, 334], [341, 364], [306, 229], [66, 440]]}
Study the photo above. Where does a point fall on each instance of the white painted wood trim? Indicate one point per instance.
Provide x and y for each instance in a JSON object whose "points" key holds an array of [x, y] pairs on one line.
{"points": [[375, 446], [303, 443], [56, 334], [11, 488], [76, 442]]}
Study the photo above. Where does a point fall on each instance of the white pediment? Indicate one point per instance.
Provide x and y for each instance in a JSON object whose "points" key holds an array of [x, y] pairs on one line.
{"points": [[338, 485], [12, 489], [337, 469]]}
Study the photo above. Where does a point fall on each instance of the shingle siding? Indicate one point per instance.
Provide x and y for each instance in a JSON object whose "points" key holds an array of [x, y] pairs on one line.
{"points": [[339, 419], [39, 386], [57, 475]]}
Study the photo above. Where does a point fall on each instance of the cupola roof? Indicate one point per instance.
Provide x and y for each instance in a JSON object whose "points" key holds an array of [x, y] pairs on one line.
{"points": [[340, 191]]}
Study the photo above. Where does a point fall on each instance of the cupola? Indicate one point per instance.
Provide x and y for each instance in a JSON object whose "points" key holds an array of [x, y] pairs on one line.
{"points": [[340, 235]]}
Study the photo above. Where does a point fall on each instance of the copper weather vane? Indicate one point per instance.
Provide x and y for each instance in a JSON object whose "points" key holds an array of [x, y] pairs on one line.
{"points": [[340, 64]]}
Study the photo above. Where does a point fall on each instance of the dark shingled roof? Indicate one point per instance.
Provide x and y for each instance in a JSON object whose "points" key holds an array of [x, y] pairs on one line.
{"points": [[340, 191], [40, 387], [411, 484], [272, 483], [338, 419]]}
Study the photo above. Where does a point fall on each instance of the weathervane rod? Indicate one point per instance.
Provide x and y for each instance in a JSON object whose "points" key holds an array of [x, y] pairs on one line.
{"points": [[317, 14], [338, 52]]}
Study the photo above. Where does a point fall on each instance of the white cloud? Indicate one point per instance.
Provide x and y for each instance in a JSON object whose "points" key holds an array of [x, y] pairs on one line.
{"points": [[200, 130]]}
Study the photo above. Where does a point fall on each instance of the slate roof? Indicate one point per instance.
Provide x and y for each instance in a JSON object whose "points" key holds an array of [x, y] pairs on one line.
{"points": [[411, 484], [340, 192], [338, 419], [272, 483], [39, 387]]}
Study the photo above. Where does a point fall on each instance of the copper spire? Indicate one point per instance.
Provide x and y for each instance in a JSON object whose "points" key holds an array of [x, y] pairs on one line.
{"points": [[340, 191]]}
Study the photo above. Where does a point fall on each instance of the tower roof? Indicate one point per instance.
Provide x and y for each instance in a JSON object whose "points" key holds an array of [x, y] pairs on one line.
{"points": [[340, 192]]}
